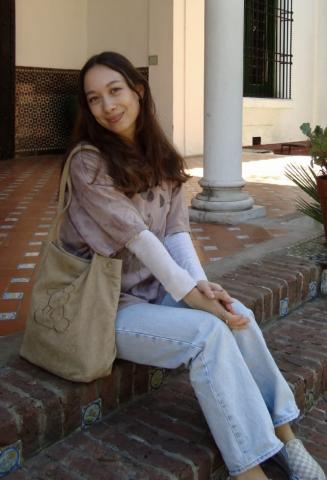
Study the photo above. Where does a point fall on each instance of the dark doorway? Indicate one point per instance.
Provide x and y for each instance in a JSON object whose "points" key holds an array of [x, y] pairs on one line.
{"points": [[7, 79]]}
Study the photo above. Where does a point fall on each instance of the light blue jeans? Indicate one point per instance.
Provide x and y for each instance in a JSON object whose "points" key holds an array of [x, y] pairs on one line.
{"points": [[239, 387]]}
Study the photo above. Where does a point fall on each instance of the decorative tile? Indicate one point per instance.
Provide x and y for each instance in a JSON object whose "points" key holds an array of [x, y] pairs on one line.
{"points": [[31, 254], [157, 376], [283, 307], [41, 234], [91, 413], [232, 229], [35, 243], [7, 316], [19, 280], [44, 225], [12, 296], [323, 285], [11, 219], [209, 248], [215, 259], [6, 227], [202, 238], [10, 458], [24, 266], [242, 237], [196, 229], [313, 290]]}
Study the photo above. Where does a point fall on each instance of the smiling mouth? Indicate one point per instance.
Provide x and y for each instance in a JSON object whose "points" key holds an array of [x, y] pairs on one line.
{"points": [[115, 119]]}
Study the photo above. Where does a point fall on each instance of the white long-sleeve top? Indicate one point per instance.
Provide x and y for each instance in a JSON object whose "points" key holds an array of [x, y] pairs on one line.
{"points": [[175, 264]]}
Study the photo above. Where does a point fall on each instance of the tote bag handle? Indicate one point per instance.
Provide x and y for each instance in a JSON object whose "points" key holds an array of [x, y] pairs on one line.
{"points": [[65, 181]]}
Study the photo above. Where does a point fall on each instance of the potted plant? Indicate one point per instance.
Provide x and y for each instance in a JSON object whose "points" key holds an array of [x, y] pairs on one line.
{"points": [[314, 184]]}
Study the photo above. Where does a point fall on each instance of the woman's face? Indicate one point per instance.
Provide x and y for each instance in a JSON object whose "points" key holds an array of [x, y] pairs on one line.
{"points": [[112, 102]]}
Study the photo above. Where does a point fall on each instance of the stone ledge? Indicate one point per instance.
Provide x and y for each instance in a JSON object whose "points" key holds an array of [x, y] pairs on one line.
{"points": [[273, 286], [39, 408], [164, 436]]}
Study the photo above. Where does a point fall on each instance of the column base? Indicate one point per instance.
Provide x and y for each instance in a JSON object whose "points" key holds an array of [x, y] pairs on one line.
{"points": [[232, 218]]}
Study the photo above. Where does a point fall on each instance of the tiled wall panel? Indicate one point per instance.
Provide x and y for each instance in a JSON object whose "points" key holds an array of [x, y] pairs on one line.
{"points": [[43, 108], [42, 104]]}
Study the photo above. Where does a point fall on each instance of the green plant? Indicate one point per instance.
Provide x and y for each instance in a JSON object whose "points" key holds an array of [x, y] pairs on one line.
{"points": [[318, 145], [305, 178]]}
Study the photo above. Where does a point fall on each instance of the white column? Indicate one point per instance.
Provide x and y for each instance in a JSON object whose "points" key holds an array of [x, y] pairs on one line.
{"points": [[223, 199]]}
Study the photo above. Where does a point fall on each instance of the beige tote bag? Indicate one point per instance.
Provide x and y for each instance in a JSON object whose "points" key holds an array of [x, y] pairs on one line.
{"points": [[71, 323]]}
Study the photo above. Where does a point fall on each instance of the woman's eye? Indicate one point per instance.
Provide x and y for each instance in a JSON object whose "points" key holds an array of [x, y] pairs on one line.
{"points": [[115, 90], [93, 100]]}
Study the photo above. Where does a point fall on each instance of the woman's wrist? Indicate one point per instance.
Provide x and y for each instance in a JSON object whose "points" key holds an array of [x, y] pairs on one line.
{"points": [[196, 299]]}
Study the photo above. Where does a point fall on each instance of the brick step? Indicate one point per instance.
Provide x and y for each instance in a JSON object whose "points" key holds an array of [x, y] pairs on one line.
{"points": [[312, 430], [274, 286], [39, 408], [163, 435]]}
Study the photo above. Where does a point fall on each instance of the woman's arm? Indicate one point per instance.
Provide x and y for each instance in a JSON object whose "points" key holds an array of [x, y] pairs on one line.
{"points": [[181, 248], [177, 281], [152, 253], [196, 299]]}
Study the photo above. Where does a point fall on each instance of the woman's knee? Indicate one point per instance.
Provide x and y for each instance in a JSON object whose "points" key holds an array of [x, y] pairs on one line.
{"points": [[240, 309], [212, 326]]}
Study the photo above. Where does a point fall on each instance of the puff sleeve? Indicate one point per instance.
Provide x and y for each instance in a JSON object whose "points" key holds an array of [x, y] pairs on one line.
{"points": [[178, 216], [105, 217]]}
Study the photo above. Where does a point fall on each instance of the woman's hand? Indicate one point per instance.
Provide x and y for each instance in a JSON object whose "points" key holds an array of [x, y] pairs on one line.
{"points": [[196, 299], [215, 291]]}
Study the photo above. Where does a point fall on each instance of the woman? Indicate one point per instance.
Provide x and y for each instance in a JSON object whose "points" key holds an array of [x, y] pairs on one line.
{"points": [[127, 202]]}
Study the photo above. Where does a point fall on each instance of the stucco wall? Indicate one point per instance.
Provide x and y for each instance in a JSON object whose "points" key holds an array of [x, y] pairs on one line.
{"points": [[138, 28], [161, 75], [273, 120], [279, 120], [321, 64], [51, 33], [62, 34], [120, 26], [179, 75], [194, 76]]}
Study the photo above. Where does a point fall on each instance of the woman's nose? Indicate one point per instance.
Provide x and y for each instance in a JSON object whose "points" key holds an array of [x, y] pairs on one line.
{"points": [[108, 105]]}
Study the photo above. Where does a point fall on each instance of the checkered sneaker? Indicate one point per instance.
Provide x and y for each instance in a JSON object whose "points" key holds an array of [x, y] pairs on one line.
{"points": [[298, 463]]}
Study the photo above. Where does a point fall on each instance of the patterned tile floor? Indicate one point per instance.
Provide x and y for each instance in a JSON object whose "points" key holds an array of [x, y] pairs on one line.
{"points": [[28, 190]]}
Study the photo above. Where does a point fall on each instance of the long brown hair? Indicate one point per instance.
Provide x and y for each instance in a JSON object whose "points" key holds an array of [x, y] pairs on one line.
{"points": [[134, 167]]}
